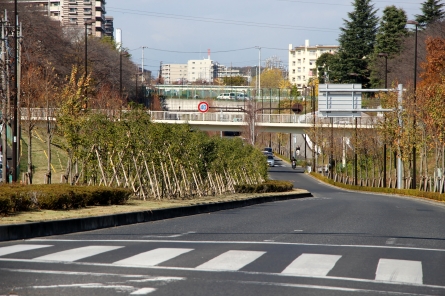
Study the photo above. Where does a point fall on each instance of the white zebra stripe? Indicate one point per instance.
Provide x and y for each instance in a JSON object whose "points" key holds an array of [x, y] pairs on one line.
{"points": [[231, 260], [20, 248], [77, 253], [312, 265], [400, 271], [153, 257]]}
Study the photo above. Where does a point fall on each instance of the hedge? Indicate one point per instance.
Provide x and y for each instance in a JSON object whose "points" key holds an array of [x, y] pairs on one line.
{"points": [[15, 197], [408, 192], [267, 186]]}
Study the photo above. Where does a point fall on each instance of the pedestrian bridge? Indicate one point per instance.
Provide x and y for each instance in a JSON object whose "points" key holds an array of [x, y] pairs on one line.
{"points": [[236, 121]]}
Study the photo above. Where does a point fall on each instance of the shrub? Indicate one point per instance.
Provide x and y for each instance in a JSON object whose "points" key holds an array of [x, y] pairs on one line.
{"points": [[15, 197], [267, 186]]}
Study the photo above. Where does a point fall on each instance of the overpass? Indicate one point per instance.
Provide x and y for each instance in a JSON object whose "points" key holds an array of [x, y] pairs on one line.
{"points": [[271, 123], [236, 120]]}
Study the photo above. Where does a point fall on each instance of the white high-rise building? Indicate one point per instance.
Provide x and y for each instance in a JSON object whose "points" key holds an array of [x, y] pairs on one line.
{"points": [[200, 70], [73, 13], [302, 62]]}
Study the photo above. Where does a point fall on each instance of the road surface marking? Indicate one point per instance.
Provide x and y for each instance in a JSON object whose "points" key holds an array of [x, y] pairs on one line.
{"points": [[77, 253], [239, 242], [391, 241], [143, 291], [400, 271], [231, 260], [312, 265], [153, 257], [173, 235], [20, 248]]}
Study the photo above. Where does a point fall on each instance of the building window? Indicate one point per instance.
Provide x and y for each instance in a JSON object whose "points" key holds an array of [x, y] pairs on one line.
{"points": [[87, 10], [293, 79], [299, 77], [299, 61], [311, 52], [304, 77], [73, 10], [73, 20], [299, 52], [73, 2], [293, 63], [293, 71], [299, 69]]}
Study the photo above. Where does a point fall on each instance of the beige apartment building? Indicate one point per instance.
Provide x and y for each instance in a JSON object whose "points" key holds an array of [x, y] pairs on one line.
{"points": [[74, 13], [302, 62], [174, 73]]}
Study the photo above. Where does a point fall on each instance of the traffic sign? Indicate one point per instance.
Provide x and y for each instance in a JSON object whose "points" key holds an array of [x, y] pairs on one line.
{"points": [[203, 107]]}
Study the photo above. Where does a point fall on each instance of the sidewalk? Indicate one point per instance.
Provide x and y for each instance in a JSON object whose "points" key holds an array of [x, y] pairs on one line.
{"points": [[58, 227]]}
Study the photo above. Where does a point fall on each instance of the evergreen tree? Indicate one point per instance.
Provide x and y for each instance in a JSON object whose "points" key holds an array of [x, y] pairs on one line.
{"points": [[389, 38], [431, 12], [324, 63], [356, 42]]}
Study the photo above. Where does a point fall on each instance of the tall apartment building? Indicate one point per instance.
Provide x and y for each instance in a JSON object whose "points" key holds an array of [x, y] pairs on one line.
{"points": [[74, 13], [201, 70], [174, 73], [302, 61]]}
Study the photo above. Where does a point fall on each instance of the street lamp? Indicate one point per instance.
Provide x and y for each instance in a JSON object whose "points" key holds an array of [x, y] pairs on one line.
{"points": [[86, 23], [412, 22], [385, 55]]}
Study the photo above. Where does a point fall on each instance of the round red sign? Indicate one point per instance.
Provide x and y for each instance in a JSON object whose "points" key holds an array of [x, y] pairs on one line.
{"points": [[203, 107]]}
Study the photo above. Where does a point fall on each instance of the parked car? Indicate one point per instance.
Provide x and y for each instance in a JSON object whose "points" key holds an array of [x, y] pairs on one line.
{"points": [[242, 96], [270, 160], [226, 96]]}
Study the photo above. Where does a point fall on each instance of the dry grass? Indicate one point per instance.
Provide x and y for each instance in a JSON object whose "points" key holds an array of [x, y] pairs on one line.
{"points": [[131, 206], [40, 157]]}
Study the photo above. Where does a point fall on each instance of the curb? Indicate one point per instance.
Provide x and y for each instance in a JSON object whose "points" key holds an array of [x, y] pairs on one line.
{"points": [[58, 227]]}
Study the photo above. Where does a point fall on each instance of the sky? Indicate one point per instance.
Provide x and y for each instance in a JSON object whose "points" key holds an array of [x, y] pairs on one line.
{"points": [[175, 31]]}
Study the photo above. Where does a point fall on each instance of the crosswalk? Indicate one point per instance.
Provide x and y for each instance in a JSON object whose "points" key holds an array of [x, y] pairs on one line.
{"points": [[305, 264]]}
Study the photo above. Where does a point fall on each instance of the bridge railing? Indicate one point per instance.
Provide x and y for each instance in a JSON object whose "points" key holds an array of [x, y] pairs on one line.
{"points": [[42, 113]]}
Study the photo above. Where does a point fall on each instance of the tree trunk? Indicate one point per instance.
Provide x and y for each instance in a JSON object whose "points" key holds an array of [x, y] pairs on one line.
{"points": [[29, 177], [48, 172]]}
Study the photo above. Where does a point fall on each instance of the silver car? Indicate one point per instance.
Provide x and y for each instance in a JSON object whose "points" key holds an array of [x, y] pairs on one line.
{"points": [[270, 160]]}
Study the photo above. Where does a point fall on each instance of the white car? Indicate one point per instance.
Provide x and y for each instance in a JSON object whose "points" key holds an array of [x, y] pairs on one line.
{"points": [[226, 96]]}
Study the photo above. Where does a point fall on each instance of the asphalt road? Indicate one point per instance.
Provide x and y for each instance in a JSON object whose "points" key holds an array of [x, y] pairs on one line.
{"points": [[335, 243]]}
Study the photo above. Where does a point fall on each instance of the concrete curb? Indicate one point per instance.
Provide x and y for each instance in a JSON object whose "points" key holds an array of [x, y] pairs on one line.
{"points": [[47, 228]]}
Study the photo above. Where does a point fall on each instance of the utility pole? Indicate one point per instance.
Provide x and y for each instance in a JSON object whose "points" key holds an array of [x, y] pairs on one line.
{"points": [[4, 102], [14, 168]]}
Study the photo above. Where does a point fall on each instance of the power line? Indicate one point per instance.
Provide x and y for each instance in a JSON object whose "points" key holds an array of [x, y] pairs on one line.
{"points": [[219, 21], [187, 52]]}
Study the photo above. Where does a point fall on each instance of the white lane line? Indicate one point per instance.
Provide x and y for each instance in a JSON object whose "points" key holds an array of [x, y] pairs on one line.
{"points": [[400, 271], [143, 291], [20, 248], [143, 278], [312, 265], [77, 253], [231, 260], [153, 257]]}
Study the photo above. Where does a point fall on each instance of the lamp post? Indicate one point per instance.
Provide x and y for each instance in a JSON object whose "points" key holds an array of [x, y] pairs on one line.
{"points": [[86, 23], [356, 140], [385, 55], [412, 22]]}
